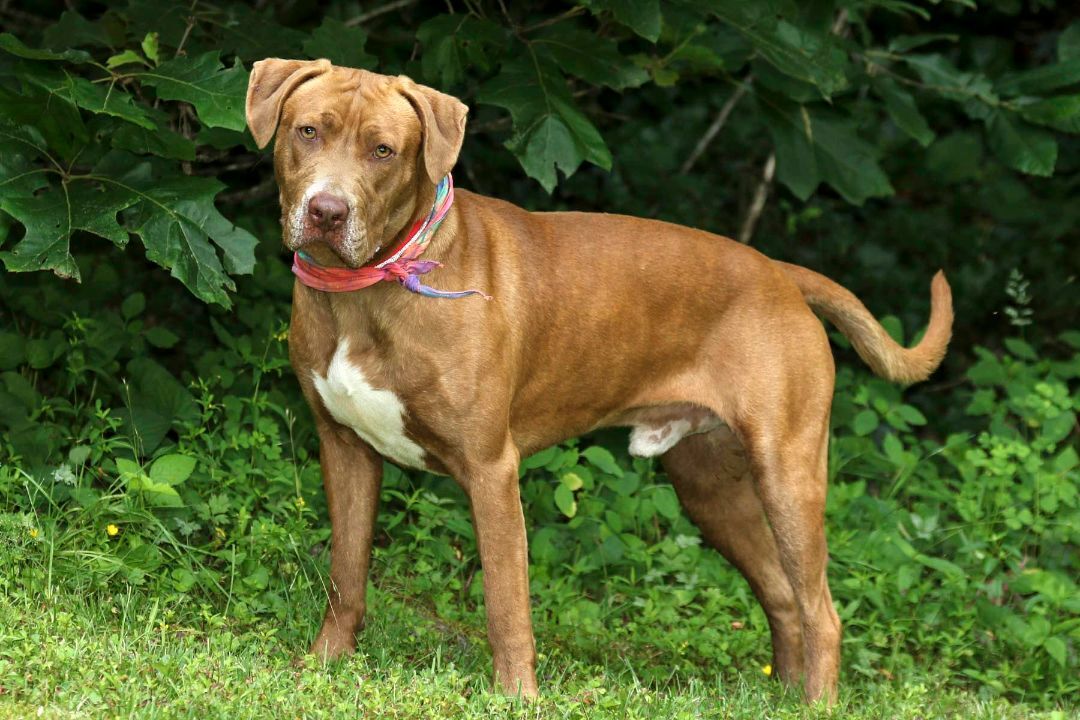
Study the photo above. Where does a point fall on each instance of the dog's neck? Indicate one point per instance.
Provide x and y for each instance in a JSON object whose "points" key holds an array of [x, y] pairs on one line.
{"points": [[403, 222]]}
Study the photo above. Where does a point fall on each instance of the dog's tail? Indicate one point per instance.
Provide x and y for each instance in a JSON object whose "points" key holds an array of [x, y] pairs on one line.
{"points": [[884, 356]]}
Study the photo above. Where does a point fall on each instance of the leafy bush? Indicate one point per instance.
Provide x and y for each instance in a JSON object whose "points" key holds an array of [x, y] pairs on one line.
{"points": [[957, 552]]}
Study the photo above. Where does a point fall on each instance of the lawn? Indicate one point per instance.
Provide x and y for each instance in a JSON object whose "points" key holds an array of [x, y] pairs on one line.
{"points": [[127, 654]]}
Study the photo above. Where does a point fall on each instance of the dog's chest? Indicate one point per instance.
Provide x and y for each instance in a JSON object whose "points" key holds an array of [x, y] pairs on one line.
{"points": [[376, 415]]}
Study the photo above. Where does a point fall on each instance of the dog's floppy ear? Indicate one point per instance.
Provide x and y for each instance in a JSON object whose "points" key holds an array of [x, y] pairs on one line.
{"points": [[271, 82], [442, 118]]}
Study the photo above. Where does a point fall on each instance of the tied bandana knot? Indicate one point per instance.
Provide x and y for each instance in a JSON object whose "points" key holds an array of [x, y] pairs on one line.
{"points": [[403, 265]]}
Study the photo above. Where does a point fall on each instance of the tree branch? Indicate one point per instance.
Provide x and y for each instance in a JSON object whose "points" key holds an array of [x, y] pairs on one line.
{"points": [[376, 12], [717, 125], [757, 205]]}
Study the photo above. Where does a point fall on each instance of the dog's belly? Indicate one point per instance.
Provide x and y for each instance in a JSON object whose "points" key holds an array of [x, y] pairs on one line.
{"points": [[377, 416]]}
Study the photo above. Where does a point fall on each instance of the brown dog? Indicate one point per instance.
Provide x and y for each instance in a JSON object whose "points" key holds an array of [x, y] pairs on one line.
{"points": [[707, 349]]}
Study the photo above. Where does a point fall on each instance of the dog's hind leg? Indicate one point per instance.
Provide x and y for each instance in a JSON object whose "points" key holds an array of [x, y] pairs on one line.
{"points": [[712, 478], [788, 456]]}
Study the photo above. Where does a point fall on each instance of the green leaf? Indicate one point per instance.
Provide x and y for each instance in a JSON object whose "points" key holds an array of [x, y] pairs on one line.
{"points": [[161, 337], [16, 47], [453, 42], [911, 415], [939, 75], [894, 450], [906, 43], [564, 500], [52, 216], [865, 422], [107, 98], [340, 44], [133, 305], [572, 481], [150, 47], [956, 157], [155, 493], [1066, 460], [79, 454], [174, 216], [894, 327], [217, 93], [804, 54], [550, 145], [58, 124], [1069, 43], [815, 145], [1072, 338], [158, 400], [1061, 113], [172, 469], [43, 352], [1041, 79], [535, 92], [627, 484], [951, 570], [593, 59], [259, 578], [903, 111], [12, 350], [162, 142], [73, 30], [666, 502], [20, 146], [602, 459], [540, 459], [641, 16], [1021, 146], [252, 34], [182, 579], [1055, 648], [176, 220], [127, 57], [1021, 349], [127, 467]]}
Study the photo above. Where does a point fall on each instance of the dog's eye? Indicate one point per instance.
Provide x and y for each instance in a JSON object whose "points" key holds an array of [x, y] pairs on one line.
{"points": [[382, 152], [308, 133]]}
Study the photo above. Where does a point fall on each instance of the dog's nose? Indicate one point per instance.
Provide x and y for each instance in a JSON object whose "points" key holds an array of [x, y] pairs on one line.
{"points": [[326, 211]]}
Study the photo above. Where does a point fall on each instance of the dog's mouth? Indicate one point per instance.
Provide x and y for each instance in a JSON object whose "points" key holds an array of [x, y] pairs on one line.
{"points": [[332, 251], [342, 247]]}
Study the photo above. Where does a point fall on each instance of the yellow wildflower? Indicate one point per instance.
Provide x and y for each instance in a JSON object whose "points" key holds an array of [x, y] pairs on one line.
{"points": [[33, 532], [767, 669], [112, 530]]}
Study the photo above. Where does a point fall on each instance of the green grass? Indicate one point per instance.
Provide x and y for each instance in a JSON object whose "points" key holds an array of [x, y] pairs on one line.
{"points": [[129, 655]]}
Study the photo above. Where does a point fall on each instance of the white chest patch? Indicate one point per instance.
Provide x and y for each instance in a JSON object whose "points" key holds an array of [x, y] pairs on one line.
{"points": [[377, 416]]}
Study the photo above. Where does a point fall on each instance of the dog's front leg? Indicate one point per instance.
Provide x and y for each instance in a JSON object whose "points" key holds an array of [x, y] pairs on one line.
{"points": [[500, 536], [352, 475]]}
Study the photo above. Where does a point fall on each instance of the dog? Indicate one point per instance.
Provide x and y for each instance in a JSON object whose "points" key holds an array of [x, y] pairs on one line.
{"points": [[455, 333]]}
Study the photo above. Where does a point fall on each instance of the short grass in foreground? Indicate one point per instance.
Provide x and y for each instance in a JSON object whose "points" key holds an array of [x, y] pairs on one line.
{"points": [[128, 656]]}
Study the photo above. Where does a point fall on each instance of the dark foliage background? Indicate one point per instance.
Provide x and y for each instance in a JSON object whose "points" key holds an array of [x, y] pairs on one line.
{"points": [[143, 384]]}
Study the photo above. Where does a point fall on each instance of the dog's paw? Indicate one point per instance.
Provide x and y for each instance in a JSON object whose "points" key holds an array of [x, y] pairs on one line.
{"points": [[332, 645]]}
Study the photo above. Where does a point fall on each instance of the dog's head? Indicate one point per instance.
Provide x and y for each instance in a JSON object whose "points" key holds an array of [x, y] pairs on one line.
{"points": [[354, 150]]}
